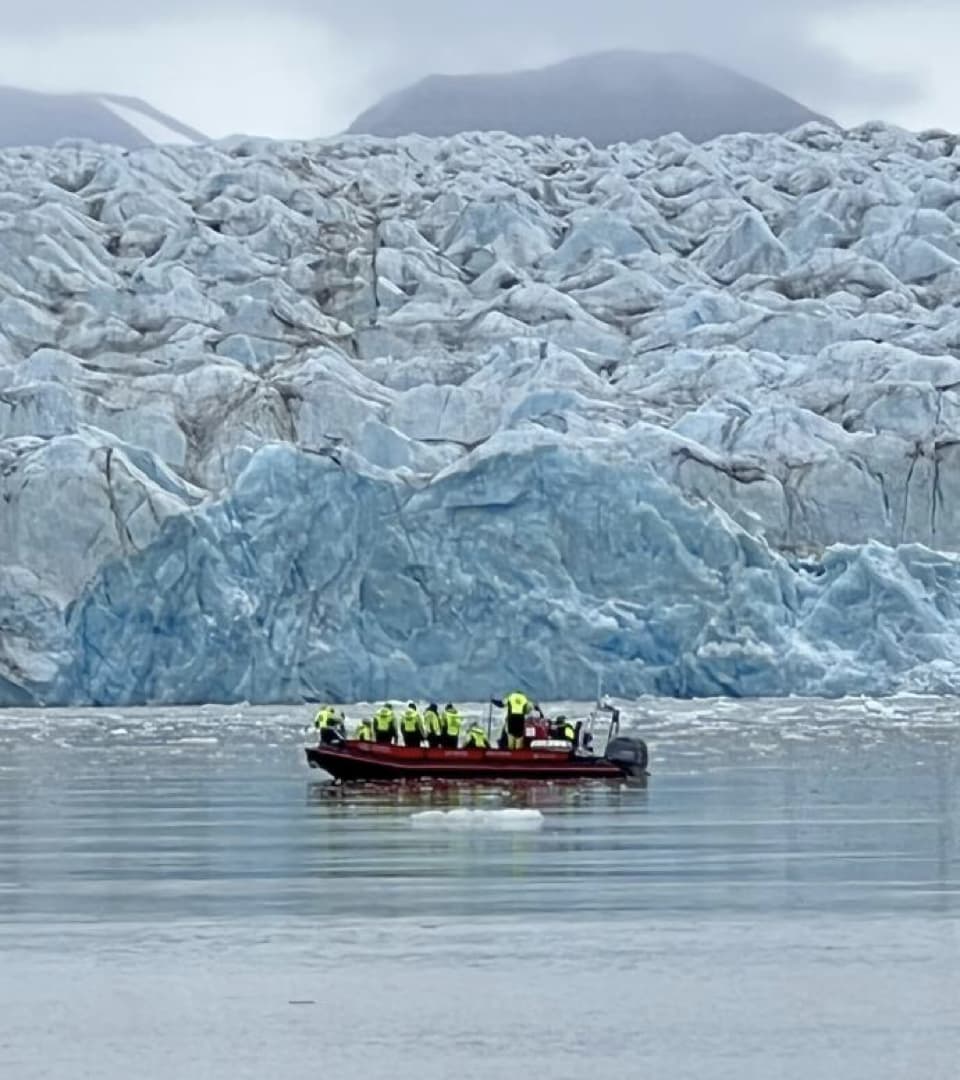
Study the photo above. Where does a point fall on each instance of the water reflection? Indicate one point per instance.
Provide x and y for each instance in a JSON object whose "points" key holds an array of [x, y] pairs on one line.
{"points": [[532, 794], [225, 820], [788, 874]]}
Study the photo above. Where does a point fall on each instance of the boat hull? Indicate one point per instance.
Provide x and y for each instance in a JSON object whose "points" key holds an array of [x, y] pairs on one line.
{"points": [[363, 761]]}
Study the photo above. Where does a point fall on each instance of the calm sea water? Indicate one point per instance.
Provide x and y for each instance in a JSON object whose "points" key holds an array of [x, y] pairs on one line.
{"points": [[182, 899]]}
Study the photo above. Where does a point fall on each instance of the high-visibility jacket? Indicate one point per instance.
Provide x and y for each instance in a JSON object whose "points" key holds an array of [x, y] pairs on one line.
{"points": [[431, 720], [365, 731], [452, 721], [516, 703], [411, 721], [326, 717], [385, 720], [477, 738], [566, 730]]}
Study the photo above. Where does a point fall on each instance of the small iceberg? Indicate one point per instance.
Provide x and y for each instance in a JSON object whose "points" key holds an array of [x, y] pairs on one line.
{"points": [[491, 820]]}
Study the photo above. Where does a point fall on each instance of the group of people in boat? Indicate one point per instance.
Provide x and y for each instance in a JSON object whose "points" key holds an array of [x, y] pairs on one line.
{"points": [[444, 728]]}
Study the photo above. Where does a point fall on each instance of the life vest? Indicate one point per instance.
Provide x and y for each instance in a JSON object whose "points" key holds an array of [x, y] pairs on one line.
{"points": [[452, 721], [517, 703], [326, 717], [411, 721], [384, 720], [431, 719], [364, 731], [477, 739]]}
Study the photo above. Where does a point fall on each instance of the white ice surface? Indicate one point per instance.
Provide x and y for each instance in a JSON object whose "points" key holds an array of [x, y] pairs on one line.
{"points": [[362, 417], [509, 820]]}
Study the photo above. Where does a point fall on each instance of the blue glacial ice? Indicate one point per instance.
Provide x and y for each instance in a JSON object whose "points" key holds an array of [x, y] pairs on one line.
{"points": [[370, 418], [534, 561]]}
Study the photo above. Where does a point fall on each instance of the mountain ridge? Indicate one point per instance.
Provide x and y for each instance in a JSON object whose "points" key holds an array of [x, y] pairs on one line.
{"points": [[37, 118], [609, 97]]}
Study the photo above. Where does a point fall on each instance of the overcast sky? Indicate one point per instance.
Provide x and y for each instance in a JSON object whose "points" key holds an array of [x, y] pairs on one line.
{"points": [[307, 67]]}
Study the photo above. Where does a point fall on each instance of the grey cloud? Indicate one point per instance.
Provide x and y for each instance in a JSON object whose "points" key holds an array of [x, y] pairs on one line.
{"points": [[768, 39]]}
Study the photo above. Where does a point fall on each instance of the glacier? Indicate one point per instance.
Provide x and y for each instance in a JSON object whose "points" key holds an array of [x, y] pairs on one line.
{"points": [[364, 418]]}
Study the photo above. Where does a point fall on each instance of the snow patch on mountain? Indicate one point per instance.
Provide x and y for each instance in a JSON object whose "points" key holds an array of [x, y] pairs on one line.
{"points": [[152, 128], [30, 118]]}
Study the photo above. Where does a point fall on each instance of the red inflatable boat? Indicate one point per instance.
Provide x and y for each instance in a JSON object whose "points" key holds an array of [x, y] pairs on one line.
{"points": [[352, 760]]}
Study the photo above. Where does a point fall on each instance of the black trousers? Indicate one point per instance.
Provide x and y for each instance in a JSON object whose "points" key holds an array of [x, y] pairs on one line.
{"points": [[412, 738], [384, 736], [450, 741], [434, 739]]}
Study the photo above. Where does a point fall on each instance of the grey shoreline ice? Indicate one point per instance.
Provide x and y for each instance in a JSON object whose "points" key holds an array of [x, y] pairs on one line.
{"points": [[367, 417]]}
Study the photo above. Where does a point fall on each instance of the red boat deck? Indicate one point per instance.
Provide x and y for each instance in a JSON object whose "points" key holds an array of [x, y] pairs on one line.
{"points": [[352, 760]]}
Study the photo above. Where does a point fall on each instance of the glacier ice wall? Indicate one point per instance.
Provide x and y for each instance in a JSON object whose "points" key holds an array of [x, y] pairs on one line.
{"points": [[364, 418]]}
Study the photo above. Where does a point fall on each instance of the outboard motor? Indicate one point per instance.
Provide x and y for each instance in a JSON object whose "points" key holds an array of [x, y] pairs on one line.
{"points": [[630, 754]]}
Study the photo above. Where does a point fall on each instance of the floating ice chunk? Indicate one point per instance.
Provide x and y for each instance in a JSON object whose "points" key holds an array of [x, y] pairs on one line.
{"points": [[489, 820]]}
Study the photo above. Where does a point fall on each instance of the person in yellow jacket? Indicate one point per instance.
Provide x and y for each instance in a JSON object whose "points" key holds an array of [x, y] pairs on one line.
{"points": [[516, 706], [411, 725], [561, 728], [433, 725], [476, 738], [331, 724], [365, 731], [452, 723], [385, 724]]}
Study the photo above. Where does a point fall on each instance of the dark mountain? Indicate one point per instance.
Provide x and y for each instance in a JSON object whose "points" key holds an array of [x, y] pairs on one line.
{"points": [[605, 97], [29, 118]]}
